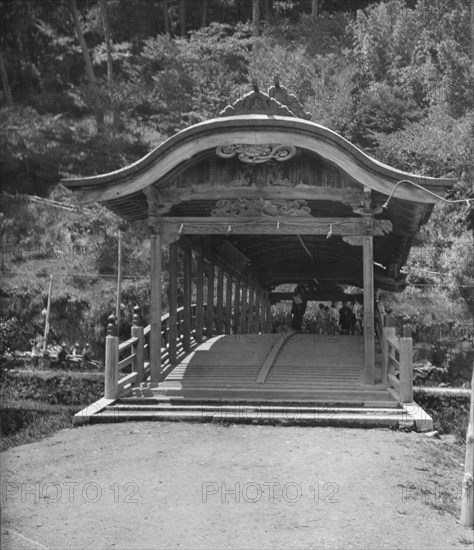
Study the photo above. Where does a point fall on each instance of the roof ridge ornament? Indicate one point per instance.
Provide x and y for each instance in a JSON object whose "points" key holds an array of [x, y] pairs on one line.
{"points": [[282, 95], [276, 102]]}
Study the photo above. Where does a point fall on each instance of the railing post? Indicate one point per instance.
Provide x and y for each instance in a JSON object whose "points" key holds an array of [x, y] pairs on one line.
{"points": [[406, 363], [388, 331], [137, 332], [111, 360]]}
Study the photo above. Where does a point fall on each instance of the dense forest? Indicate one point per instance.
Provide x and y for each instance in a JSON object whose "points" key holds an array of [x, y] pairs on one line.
{"points": [[91, 86]]}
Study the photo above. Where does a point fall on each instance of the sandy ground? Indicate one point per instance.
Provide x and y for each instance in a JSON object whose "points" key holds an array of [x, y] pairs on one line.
{"points": [[178, 485]]}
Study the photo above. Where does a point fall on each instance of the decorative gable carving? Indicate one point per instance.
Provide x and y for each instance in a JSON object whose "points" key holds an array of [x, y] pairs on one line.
{"points": [[278, 101]]}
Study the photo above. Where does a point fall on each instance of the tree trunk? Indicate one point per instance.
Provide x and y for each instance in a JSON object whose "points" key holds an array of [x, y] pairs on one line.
{"points": [[165, 17], [110, 67], [5, 83], [314, 9], [182, 16], [108, 42], [89, 68], [268, 10], [204, 13], [472, 35], [256, 17]]}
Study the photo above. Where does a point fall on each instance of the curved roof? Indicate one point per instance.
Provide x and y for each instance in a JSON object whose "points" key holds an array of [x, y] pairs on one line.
{"points": [[254, 129], [192, 175]]}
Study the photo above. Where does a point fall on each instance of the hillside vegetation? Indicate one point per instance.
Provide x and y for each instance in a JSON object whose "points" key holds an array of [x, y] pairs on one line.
{"points": [[89, 87]]}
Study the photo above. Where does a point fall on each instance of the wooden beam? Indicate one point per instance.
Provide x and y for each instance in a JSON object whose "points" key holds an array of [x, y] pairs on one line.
{"points": [[155, 309], [210, 301], [272, 226], [228, 304], [220, 301], [369, 341], [173, 302], [199, 298], [187, 266]]}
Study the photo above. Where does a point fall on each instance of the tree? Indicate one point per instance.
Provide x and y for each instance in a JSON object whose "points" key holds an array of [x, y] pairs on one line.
{"points": [[5, 83], [256, 17], [89, 68]]}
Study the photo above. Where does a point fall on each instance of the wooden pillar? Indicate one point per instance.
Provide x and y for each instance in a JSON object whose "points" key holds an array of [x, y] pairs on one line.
{"points": [[406, 363], [155, 310], [187, 315], [243, 310], [111, 360], [268, 315], [220, 301], [173, 302], [210, 301], [369, 340], [137, 332], [199, 298], [257, 310], [228, 304], [251, 312], [237, 308], [388, 332]]}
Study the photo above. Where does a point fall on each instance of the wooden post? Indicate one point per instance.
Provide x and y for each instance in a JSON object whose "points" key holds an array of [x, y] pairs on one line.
{"points": [[369, 341], [257, 310], [173, 302], [137, 332], [220, 300], [187, 314], [155, 309], [119, 282], [243, 310], [237, 307], [388, 331], [268, 315], [111, 360], [251, 308], [263, 312], [406, 363], [199, 298], [228, 304], [48, 314], [467, 498], [210, 301]]}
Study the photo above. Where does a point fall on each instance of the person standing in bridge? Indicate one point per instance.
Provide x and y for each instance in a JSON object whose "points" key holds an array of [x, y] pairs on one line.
{"points": [[298, 308]]}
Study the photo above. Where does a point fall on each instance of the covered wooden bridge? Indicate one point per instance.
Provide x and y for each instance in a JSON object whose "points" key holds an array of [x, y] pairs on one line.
{"points": [[254, 199]]}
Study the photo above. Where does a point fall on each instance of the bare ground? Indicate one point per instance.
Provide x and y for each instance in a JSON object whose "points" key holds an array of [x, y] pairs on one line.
{"points": [[178, 485]]}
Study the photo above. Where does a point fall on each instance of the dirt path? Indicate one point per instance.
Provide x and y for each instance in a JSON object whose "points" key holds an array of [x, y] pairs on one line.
{"points": [[178, 485]]}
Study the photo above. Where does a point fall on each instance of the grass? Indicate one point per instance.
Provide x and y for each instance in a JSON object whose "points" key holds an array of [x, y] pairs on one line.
{"points": [[27, 422]]}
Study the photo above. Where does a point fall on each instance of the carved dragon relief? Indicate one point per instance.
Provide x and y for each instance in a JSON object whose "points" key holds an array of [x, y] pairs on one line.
{"points": [[256, 154], [271, 175], [249, 208]]}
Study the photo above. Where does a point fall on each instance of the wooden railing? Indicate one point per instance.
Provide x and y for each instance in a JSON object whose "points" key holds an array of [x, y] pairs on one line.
{"points": [[127, 364], [397, 354]]}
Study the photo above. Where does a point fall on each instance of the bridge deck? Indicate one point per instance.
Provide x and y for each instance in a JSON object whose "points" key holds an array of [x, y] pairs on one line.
{"points": [[306, 367]]}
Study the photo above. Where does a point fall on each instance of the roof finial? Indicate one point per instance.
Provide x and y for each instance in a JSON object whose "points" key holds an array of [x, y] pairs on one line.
{"points": [[276, 80], [255, 85]]}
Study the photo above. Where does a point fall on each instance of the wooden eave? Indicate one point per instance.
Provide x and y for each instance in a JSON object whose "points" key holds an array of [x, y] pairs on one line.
{"points": [[254, 129]]}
